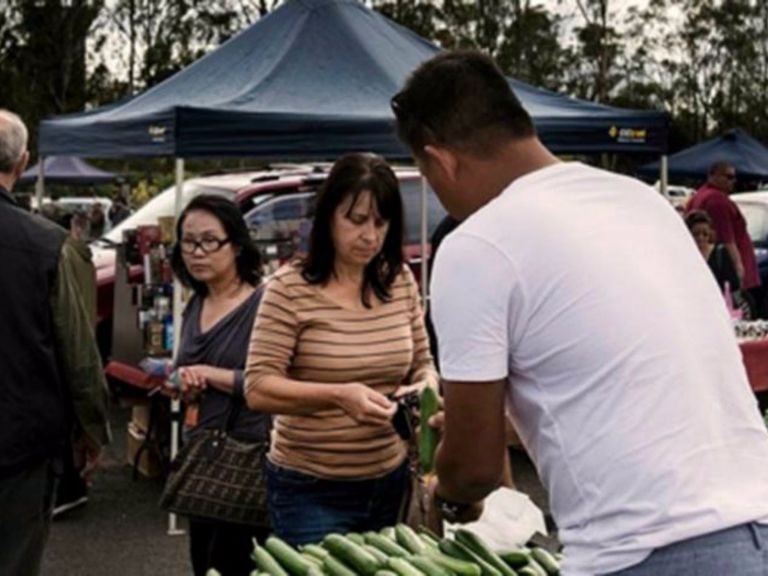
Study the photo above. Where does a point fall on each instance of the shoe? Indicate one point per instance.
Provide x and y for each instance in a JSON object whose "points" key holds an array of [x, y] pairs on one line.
{"points": [[71, 493]]}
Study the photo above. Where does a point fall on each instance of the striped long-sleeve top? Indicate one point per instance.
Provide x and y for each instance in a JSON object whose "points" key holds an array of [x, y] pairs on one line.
{"points": [[303, 335]]}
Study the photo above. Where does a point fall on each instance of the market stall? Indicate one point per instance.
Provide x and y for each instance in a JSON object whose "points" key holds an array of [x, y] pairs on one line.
{"points": [[312, 80], [68, 170], [747, 155], [753, 342]]}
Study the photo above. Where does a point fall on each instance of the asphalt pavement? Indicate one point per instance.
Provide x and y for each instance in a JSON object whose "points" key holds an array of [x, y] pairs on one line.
{"points": [[123, 532]]}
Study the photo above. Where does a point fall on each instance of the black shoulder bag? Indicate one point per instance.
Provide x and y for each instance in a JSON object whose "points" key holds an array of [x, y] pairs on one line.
{"points": [[218, 477]]}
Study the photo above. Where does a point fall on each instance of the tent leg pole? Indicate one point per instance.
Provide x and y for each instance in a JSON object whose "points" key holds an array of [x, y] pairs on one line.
{"points": [[173, 529], [424, 256], [40, 184], [664, 176]]}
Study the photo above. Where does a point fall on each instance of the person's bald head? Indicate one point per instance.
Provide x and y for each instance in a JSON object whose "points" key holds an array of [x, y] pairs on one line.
{"points": [[13, 145]]}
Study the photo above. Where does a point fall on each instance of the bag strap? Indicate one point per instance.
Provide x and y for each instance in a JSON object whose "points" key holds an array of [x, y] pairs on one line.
{"points": [[235, 407]]}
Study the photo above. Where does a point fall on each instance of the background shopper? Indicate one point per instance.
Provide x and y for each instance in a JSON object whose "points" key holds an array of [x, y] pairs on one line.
{"points": [[216, 258], [52, 387]]}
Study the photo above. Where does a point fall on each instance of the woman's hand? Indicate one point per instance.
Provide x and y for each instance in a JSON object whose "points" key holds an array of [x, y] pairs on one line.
{"points": [[364, 404], [416, 387], [193, 380]]}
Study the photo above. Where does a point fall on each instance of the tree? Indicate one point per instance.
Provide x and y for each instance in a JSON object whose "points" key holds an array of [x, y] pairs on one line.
{"points": [[43, 56], [419, 16], [592, 62], [521, 36], [531, 50]]}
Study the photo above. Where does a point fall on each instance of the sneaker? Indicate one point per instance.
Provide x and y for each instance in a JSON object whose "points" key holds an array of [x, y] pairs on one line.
{"points": [[71, 493]]}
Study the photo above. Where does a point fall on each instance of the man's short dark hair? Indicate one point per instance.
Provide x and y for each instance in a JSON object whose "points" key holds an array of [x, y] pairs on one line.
{"points": [[719, 166], [462, 100]]}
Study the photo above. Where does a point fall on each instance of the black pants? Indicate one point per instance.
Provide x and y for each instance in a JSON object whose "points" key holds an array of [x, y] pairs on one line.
{"points": [[26, 502], [226, 547]]}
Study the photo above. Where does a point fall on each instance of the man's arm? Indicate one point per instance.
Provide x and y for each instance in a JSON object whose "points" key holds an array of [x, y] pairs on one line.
{"points": [[470, 458], [723, 212], [738, 265], [82, 370], [473, 286]]}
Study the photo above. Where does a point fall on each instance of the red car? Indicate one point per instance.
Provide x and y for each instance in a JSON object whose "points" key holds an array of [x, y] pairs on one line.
{"points": [[276, 204]]}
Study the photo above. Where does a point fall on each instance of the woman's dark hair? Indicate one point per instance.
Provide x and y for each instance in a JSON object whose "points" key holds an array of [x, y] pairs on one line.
{"points": [[351, 175], [248, 260], [697, 217]]}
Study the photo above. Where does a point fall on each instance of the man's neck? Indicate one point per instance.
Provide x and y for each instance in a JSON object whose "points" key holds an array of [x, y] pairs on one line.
{"points": [[7, 181], [517, 159], [713, 186]]}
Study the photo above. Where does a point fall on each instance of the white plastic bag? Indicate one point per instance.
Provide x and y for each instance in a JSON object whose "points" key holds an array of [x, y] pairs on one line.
{"points": [[508, 521]]}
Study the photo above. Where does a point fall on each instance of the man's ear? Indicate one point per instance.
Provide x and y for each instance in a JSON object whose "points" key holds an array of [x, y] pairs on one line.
{"points": [[21, 165], [444, 160]]}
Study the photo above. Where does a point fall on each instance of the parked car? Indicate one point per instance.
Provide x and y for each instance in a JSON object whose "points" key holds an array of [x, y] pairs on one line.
{"points": [[83, 203], [678, 195], [754, 207], [276, 204]]}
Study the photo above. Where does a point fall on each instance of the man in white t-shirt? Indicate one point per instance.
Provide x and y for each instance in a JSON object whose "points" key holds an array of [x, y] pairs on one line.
{"points": [[576, 298]]}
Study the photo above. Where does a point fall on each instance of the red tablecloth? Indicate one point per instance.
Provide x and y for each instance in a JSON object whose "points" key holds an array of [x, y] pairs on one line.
{"points": [[136, 377], [755, 355]]}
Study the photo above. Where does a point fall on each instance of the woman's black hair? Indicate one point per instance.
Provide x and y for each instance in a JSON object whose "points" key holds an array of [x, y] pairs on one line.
{"points": [[352, 174], [248, 260], [697, 217]]}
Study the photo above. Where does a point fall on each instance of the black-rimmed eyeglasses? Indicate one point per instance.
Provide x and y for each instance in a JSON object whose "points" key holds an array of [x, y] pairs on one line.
{"points": [[207, 245]]}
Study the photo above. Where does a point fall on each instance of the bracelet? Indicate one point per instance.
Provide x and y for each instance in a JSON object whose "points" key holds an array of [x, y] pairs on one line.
{"points": [[450, 511]]}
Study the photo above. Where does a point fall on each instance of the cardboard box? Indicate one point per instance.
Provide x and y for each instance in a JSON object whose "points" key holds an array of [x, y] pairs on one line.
{"points": [[140, 417], [150, 464]]}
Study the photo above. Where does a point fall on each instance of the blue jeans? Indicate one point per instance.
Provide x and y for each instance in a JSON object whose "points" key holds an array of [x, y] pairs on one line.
{"points": [[739, 551], [304, 509]]}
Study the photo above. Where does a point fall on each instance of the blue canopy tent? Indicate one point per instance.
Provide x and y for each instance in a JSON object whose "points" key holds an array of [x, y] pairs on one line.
{"points": [[68, 170], [748, 156], [313, 79]]}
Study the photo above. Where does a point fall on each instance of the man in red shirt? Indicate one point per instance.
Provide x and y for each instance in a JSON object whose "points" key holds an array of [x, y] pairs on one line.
{"points": [[730, 226]]}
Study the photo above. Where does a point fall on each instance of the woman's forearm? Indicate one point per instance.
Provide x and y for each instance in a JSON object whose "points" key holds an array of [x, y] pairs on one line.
{"points": [[221, 379], [280, 395]]}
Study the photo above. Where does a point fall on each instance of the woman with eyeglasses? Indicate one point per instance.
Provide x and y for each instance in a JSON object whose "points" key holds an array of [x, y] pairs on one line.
{"points": [[216, 258], [339, 333]]}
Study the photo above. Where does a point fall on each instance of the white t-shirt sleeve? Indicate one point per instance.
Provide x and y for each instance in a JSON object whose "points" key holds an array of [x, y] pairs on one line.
{"points": [[472, 284]]}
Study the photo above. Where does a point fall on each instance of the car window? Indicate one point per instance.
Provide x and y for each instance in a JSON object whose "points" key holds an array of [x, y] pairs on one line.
{"points": [[411, 191], [280, 226], [163, 204], [756, 216]]}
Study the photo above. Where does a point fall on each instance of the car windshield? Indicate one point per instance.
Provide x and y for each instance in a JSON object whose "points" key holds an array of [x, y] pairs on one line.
{"points": [[161, 205], [756, 216]]}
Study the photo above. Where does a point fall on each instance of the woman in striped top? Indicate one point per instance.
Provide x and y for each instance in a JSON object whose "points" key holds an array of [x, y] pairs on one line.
{"points": [[336, 335]]}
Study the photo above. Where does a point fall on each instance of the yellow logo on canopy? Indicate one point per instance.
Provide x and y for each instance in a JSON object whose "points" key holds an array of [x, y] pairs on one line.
{"points": [[628, 135], [157, 133]]}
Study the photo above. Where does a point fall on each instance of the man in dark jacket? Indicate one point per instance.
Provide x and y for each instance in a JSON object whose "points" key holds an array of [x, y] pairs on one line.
{"points": [[52, 386]]}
